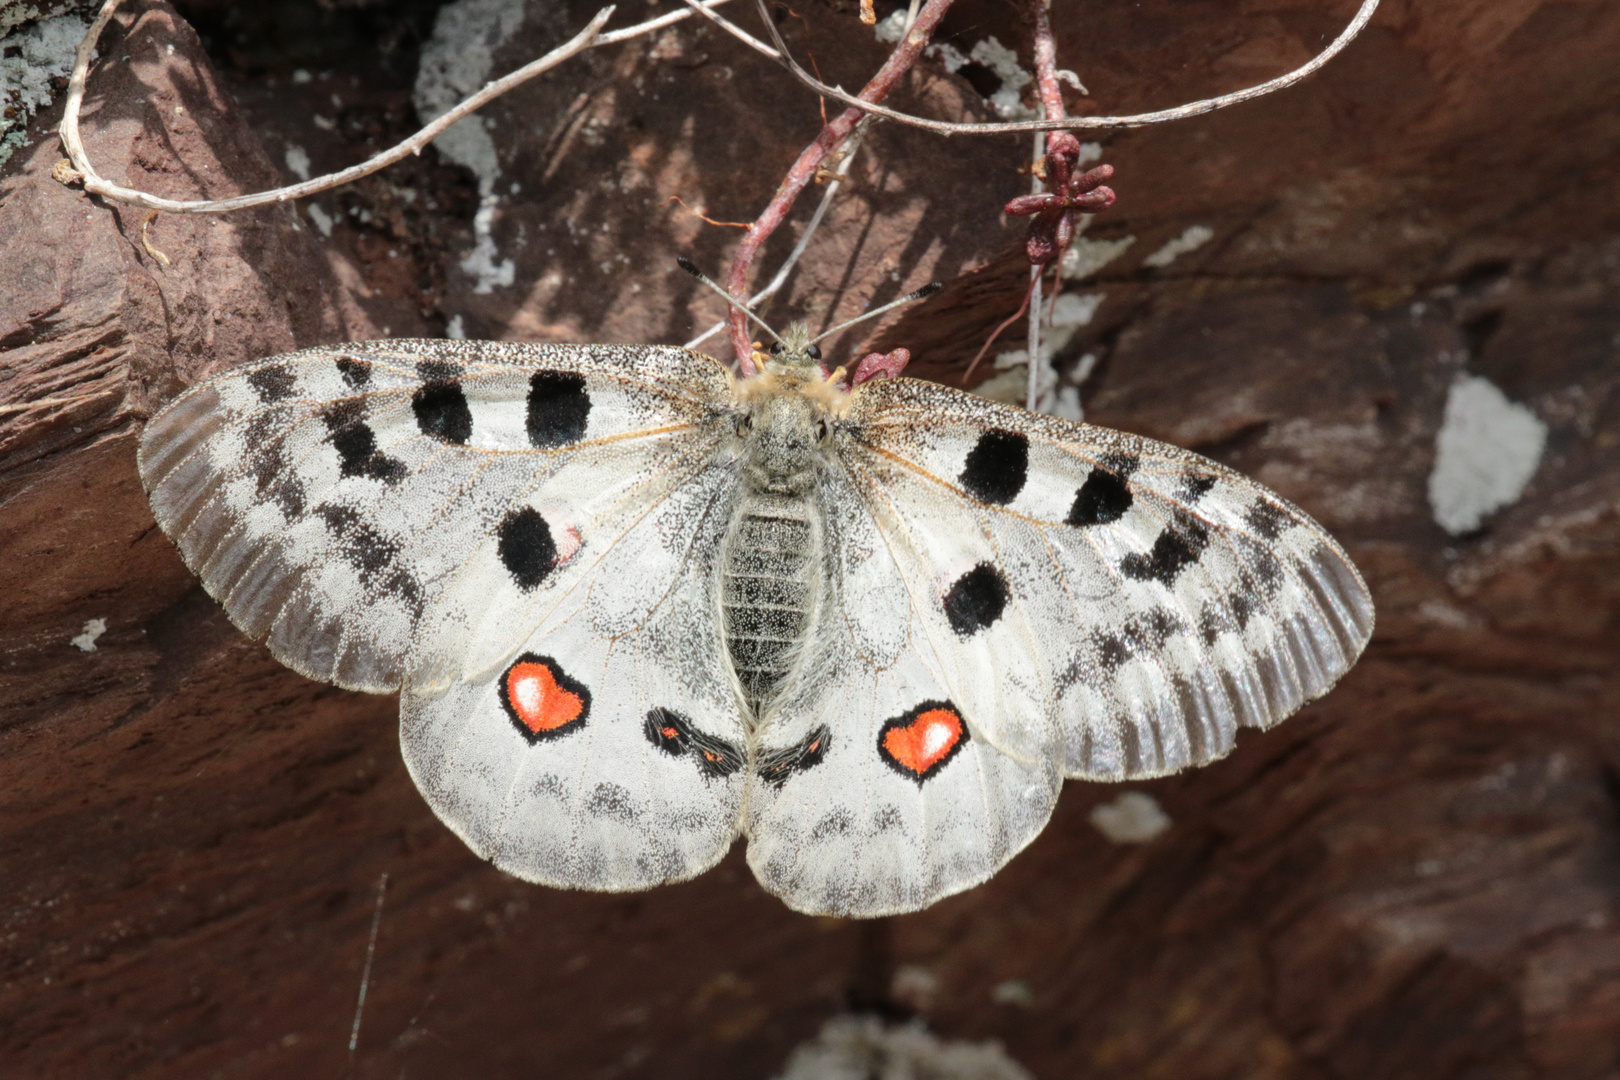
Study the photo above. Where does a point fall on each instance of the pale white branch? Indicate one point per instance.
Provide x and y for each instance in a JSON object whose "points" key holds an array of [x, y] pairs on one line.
{"points": [[73, 144], [733, 29], [1181, 112]]}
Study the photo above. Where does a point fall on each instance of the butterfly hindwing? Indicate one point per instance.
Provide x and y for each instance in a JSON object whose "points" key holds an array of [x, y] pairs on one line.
{"points": [[399, 510], [605, 755], [872, 792], [1117, 604]]}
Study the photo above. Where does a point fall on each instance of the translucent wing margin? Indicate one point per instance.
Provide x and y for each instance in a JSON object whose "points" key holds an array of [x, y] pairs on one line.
{"points": [[395, 511], [1108, 602]]}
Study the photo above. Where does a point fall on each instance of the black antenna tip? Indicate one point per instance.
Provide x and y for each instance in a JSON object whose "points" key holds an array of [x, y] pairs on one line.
{"points": [[927, 290], [689, 266]]}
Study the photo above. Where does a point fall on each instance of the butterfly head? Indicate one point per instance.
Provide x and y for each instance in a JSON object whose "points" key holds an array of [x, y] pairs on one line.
{"points": [[794, 353], [787, 417]]}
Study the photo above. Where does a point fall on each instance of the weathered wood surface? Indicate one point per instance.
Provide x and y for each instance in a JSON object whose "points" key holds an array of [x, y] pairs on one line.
{"points": [[1418, 877]]}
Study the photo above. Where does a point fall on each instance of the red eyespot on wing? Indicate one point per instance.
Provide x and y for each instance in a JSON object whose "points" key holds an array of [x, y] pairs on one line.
{"points": [[918, 743], [541, 700]]}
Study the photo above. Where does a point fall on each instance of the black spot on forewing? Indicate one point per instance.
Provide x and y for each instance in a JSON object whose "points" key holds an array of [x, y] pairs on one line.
{"points": [[976, 600], [438, 370], [674, 735], [525, 547], [1213, 621], [441, 412], [360, 545], [273, 478], [775, 767], [356, 443], [1103, 498], [1194, 487], [1262, 563], [1267, 518], [1244, 607], [1113, 650], [404, 587], [997, 467], [344, 413], [274, 383], [356, 373], [1176, 548], [289, 496], [559, 408], [1154, 627], [264, 446], [1144, 633]]}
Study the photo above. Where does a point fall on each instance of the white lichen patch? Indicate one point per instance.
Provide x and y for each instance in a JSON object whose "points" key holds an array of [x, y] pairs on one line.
{"points": [[297, 159], [1008, 99], [889, 30], [1010, 384], [1135, 817], [86, 640], [863, 1047], [322, 220], [29, 59], [1486, 452], [1074, 310], [1192, 238], [456, 62], [1087, 256], [483, 262]]}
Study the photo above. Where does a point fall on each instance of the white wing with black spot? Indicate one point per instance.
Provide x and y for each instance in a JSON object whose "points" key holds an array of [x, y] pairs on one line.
{"points": [[872, 791], [399, 511], [1112, 604]]}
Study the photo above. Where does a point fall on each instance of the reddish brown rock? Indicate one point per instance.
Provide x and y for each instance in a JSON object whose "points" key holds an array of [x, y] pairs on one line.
{"points": [[1418, 877]]}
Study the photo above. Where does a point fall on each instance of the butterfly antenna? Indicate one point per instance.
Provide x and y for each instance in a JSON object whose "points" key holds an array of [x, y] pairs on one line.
{"points": [[691, 268], [927, 290]]}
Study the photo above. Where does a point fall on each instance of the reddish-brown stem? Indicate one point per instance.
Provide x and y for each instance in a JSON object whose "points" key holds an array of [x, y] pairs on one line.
{"points": [[804, 169], [1046, 77]]}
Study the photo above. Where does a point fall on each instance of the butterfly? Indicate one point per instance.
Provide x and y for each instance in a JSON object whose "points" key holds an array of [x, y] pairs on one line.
{"points": [[637, 607]]}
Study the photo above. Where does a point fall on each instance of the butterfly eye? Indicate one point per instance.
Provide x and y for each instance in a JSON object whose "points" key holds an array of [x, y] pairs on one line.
{"points": [[813, 351], [776, 348]]}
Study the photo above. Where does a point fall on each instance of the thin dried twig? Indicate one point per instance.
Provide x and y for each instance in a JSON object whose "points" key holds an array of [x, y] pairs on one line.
{"points": [[95, 184], [1032, 386], [1181, 112], [810, 160], [1050, 92], [733, 29]]}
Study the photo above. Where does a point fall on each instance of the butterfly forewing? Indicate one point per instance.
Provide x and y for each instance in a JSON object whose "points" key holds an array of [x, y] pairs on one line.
{"points": [[1119, 604], [410, 509]]}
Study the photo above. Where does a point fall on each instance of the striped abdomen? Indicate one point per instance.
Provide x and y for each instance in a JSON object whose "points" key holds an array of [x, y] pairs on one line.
{"points": [[769, 579]]}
